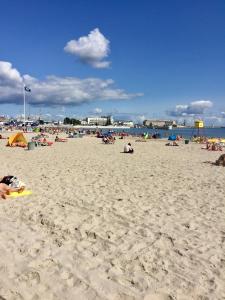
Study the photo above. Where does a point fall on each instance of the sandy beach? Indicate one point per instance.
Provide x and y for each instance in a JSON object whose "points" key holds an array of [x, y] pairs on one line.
{"points": [[102, 224]]}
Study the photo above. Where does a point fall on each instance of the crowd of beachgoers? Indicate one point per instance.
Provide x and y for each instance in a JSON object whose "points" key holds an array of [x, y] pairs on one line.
{"points": [[42, 139], [110, 136]]}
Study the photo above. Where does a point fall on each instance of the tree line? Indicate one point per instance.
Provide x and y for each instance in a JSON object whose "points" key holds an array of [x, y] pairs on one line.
{"points": [[71, 121]]}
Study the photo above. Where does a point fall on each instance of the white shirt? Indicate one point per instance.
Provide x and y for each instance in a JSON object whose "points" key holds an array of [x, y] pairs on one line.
{"points": [[127, 148]]}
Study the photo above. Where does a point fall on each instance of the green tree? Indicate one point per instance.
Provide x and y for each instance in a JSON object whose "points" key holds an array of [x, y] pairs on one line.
{"points": [[75, 122], [67, 121]]}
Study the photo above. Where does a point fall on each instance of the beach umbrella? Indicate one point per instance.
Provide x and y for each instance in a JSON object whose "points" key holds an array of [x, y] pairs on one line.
{"points": [[172, 138]]}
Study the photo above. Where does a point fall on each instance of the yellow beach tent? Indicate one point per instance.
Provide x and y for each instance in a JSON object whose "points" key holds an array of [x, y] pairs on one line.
{"points": [[16, 138]]}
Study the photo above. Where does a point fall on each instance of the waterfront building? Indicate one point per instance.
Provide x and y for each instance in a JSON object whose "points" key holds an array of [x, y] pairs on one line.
{"points": [[100, 121]]}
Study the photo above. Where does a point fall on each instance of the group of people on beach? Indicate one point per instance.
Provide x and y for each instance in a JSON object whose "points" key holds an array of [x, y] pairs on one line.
{"points": [[213, 147]]}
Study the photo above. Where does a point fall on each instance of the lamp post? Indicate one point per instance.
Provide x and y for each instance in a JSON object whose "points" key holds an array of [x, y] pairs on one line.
{"points": [[24, 105]]}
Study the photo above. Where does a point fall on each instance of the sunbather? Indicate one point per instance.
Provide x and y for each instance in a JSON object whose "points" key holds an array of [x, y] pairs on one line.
{"points": [[10, 184], [172, 144], [57, 139]]}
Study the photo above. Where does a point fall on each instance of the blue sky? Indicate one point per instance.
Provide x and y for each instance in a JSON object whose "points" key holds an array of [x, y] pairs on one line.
{"points": [[137, 59]]}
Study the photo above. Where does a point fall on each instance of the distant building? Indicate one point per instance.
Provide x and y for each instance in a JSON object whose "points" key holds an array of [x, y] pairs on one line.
{"points": [[100, 121], [124, 123], [55, 123], [3, 119], [83, 122], [111, 120], [128, 123], [159, 123]]}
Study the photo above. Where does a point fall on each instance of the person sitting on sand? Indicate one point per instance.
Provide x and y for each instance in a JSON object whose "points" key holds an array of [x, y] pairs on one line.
{"points": [[208, 146], [221, 160], [105, 139], [10, 184], [128, 148], [111, 140], [213, 148]]}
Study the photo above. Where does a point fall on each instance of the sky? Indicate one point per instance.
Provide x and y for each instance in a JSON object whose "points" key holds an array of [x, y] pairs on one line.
{"points": [[133, 59]]}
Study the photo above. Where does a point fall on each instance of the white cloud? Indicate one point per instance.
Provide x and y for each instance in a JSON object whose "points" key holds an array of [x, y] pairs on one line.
{"points": [[194, 108], [214, 120], [128, 116], [57, 90], [91, 49], [140, 118], [97, 110], [223, 114], [9, 75], [10, 82]]}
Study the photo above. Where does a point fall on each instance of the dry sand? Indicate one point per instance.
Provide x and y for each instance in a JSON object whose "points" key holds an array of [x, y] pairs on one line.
{"points": [[106, 225]]}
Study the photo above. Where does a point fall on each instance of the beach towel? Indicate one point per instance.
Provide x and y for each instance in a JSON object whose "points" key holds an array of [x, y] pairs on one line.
{"points": [[20, 194]]}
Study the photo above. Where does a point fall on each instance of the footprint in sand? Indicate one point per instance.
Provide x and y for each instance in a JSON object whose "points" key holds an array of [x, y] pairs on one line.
{"points": [[30, 277]]}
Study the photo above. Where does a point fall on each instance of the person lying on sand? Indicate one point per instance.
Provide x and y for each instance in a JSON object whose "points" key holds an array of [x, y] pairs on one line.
{"points": [[10, 184], [128, 148], [57, 139], [172, 144]]}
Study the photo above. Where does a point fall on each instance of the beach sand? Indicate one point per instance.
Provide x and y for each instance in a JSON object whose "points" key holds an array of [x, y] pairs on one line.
{"points": [[102, 224]]}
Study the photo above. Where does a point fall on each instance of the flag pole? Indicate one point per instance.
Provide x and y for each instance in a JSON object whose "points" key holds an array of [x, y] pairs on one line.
{"points": [[24, 106]]}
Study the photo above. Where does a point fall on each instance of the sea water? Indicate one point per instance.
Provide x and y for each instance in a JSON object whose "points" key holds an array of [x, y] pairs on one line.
{"points": [[185, 132]]}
